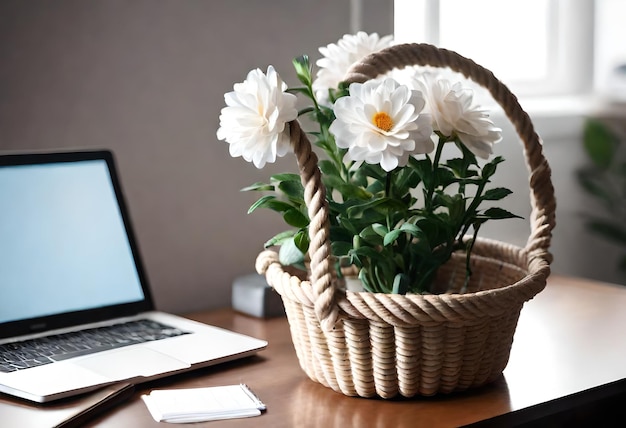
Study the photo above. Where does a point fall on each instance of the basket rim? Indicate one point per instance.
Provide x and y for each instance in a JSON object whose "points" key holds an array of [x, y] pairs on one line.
{"points": [[409, 309]]}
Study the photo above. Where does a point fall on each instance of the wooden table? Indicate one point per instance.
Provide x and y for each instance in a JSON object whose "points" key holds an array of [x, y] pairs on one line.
{"points": [[568, 362]]}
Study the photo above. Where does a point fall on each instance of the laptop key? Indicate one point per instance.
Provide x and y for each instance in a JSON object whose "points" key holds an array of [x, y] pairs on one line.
{"points": [[7, 368], [22, 364], [79, 353], [35, 352]]}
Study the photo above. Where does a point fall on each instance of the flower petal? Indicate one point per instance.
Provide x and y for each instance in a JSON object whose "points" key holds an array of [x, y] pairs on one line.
{"points": [[454, 113], [357, 126], [254, 120], [339, 57]]}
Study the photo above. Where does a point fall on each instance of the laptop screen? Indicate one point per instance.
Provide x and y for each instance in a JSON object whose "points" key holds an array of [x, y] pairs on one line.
{"points": [[64, 246]]}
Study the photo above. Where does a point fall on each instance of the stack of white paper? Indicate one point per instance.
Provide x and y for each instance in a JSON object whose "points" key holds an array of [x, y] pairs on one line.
{"points": [[203, 404]]}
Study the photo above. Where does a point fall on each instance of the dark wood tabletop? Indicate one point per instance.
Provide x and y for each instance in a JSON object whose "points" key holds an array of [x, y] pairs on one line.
{"points": [[567, 362]]}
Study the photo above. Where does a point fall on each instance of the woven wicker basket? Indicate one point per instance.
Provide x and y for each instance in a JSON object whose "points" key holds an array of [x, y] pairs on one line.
{"points": [[370, 344]]}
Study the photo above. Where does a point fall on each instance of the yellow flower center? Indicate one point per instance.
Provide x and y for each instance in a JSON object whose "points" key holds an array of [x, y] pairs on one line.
{"points": [[383, 121]]}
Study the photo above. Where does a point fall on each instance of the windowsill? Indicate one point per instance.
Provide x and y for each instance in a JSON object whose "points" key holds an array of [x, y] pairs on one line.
{"points": [[573, 105], [563, 116]]}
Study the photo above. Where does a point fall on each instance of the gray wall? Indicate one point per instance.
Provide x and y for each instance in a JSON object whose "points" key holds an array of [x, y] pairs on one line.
{"points": [[146, 79]]}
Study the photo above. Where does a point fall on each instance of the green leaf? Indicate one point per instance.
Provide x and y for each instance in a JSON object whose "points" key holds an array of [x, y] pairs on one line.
{"points": [[302, 241], [376, 187], [258, 186], [423, 168], [340, 248], [401, 284], [498, 214], [600, 143], [496, 194], [365, 252], [384, 274], [349, 226], [347, 190], [380, 229], [305, 110], [456, 208], [339, 233], [341, 91], [446, 177], [411, 228], [302, 66], [381, 205], [373, 171], [337, 208], [261, 202], [328, 168], [391, 237], [295, 218], [286, 176], [270, 201], [366, 282], [299, 90], [405, 179], [289, 253], [458, 166], [324, 144], [490, 168], [279, 238], [293, 190], [372, 237], [468, 157]]}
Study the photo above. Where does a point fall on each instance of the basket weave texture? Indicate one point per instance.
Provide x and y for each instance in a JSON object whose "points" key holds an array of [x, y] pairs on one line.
{"points": [[373, 344]]}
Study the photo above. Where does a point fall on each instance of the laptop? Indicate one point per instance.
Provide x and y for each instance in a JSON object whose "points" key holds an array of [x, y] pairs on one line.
{"points": [[76, 311]]}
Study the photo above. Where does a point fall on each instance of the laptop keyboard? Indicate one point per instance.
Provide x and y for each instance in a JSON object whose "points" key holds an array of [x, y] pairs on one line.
{"points": [[36, 352]]}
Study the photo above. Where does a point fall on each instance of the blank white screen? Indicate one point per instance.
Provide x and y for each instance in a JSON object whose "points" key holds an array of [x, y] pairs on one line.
{"points": [[63, 246]]}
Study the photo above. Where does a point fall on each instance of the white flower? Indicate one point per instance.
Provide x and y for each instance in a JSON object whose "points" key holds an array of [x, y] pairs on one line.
{"points": [[253, 123], [340, 56], [453, 113], [380, 123]]}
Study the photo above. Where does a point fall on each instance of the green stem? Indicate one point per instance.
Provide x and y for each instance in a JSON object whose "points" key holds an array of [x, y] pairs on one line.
{"points": [[428, 203], [469, 213], [322, 120], [468, 269], [388, 191]]}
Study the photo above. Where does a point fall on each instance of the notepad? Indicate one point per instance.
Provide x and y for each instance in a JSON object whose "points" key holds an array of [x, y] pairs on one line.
{"points": [[203, 404]]}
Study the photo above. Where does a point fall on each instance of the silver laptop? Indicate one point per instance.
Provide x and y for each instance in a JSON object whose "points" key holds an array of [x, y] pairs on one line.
{"points": [[76, 311]]}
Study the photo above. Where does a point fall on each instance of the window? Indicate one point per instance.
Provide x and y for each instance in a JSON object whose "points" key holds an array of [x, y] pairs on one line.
{"points": [[536, 47], [610, 52]]}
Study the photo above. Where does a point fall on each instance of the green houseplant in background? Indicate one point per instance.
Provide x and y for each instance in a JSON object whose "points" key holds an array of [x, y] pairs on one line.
{"points": [[605, 180]]}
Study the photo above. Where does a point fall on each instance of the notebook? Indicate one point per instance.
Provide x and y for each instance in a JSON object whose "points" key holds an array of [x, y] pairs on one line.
{"points": [[203, 404], [71, 412], [73, 286]]}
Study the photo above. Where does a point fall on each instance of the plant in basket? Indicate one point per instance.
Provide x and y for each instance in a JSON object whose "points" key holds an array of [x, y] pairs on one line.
{"points": [[400, 191], [398, 208]]}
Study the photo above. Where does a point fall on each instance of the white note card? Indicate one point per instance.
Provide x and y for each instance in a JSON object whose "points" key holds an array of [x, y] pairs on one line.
{"points": [[203, 404]]}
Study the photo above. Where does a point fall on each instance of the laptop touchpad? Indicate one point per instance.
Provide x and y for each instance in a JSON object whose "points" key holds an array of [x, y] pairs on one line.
{"points": [[129, 363]]}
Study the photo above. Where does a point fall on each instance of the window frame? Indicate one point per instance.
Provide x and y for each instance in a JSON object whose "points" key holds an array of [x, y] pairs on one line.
{"points": [[571, 47]]}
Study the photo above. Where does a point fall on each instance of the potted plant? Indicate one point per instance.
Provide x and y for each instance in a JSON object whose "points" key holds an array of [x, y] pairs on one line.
{"points": [[384, 200], [605, 180]]}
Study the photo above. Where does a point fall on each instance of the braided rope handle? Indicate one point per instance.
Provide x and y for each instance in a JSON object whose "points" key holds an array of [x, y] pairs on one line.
{"points": [[543, 205], [322, 269]]}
